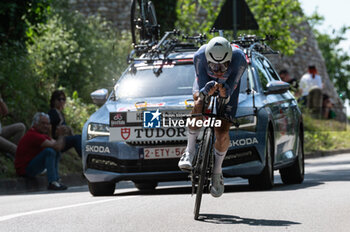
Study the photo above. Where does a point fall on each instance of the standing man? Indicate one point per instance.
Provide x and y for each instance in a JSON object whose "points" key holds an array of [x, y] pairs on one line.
{"points": [[13, 131], [219, 66], [37, 151]]}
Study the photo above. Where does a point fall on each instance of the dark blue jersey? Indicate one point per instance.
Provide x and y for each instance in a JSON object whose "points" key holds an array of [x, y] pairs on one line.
{"points": [[231, 77]]}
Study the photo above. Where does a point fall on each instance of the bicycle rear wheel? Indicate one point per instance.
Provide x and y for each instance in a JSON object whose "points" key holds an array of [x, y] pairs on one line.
{"points": [[205, 150], [143, 21]]}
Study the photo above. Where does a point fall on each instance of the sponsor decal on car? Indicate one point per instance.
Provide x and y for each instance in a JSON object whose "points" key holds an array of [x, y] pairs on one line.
{"points": [[150, 125], [146, 134], [243, 142], [97, 149], [125, 133]]}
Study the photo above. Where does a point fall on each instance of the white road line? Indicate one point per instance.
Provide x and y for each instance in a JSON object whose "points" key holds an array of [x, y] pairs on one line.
{"points": [[16, 215]]}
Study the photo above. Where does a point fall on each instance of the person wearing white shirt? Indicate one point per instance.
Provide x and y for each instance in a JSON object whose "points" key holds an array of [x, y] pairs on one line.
{"points": [[308, 81]]}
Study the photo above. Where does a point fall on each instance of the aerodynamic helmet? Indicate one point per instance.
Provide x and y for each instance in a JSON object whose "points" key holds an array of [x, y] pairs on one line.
{"points": [[218, 51]]}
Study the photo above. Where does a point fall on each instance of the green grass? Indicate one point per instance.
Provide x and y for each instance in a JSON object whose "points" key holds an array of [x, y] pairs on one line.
{"points": [[70, 164], [324, 135]]}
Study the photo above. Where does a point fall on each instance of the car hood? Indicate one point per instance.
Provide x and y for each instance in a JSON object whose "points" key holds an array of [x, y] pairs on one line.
{"points": [[176, 103]]}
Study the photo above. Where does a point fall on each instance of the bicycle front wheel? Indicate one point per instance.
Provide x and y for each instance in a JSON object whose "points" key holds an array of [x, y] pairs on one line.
{"points": [[205, 150]]}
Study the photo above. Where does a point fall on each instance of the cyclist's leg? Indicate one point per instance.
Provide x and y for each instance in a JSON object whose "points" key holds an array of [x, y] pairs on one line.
{"points": [[221, 145], [185, 161]]}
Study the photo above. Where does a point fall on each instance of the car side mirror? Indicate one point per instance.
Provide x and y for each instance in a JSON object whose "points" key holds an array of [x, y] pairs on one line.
{"points": [[276, 87], [99, 97]]}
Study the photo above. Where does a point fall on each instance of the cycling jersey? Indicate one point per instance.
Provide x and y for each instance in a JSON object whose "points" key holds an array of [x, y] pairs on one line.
{"points": [[231, 77]]}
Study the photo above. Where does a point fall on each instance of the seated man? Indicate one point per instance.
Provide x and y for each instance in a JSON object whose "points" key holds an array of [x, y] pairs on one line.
{"points": [[308, 81], [37, 151], [9, 134]]}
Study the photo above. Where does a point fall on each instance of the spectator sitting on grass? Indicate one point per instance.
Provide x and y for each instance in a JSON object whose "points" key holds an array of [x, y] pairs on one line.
{"points": [[37, 151], [57, 102], [13, 131], [327, 108]]}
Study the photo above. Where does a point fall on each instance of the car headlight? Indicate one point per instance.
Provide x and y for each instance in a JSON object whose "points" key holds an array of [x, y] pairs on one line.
{"points": [[245, 123], [97, 129]]}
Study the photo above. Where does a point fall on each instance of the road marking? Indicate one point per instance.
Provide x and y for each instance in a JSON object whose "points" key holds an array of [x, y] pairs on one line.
{"points": [[16, 215]]}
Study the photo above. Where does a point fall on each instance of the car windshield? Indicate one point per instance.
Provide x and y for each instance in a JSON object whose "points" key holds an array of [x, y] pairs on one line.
{"points": [[173, 80]]}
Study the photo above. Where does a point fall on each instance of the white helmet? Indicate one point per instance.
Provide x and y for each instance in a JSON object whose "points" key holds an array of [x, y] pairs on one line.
{"points": [[218, 50]]}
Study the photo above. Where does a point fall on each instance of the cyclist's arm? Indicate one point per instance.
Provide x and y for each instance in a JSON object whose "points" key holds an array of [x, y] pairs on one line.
{"points": [[238, 65], [202, 77]]}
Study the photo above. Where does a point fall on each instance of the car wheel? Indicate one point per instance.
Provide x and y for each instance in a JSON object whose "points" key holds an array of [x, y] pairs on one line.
{"points": [[295, 173], [101, 188], [265, 180], [146, 186]]}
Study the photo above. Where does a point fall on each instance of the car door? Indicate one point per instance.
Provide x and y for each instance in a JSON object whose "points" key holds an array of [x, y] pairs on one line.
{"points": [[278, 104], [289, 107]]}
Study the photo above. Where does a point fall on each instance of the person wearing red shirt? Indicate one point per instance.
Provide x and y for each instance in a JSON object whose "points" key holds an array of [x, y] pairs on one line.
{"points": [[37, 151]]}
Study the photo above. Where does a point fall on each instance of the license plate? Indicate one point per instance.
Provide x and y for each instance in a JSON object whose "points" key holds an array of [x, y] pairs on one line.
{"points": [[163, 152]]}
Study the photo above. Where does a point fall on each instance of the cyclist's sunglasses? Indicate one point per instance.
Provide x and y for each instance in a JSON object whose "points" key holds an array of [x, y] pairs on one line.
{"points": [[218, 67]]}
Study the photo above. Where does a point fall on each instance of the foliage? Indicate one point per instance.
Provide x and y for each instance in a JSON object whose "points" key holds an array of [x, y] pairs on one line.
{"points": [[7, 168], [189, 11], [322, 135], [337, 60], [19, 85], [15, 15], [166, 14], [68, 50], [77, 53], [275, 18], [77, 112]]}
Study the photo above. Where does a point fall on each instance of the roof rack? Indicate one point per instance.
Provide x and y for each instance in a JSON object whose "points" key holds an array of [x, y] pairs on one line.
{"points": [[252, 42], [172, 41]]}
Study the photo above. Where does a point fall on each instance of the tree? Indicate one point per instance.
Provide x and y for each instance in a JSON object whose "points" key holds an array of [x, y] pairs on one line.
{"points": [[166, 14], [15, 15], [337, 60], [275, 17]]}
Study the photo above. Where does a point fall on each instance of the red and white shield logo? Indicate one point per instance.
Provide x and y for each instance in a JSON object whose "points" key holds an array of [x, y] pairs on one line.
{"points": [[125, 133]]}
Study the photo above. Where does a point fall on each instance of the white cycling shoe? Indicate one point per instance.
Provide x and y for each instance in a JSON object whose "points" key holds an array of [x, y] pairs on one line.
{"points": [[217, 185], [185, 162]]}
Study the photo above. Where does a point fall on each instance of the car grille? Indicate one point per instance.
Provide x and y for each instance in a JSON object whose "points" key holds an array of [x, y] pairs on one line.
{"points": [[157, 142], [239, 156], [111, 164]]}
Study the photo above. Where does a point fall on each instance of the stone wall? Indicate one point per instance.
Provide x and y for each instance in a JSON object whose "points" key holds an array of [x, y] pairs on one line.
{"points": [[116, 11]]}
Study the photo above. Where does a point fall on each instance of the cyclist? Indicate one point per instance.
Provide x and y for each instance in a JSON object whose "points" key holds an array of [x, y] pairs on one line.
{"points": [[219, 67]]}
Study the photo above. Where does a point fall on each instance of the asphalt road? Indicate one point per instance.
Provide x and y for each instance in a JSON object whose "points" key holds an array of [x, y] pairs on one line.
{"points": [[321, 203]]}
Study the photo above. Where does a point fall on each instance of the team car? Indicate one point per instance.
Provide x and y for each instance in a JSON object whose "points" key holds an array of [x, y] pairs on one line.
{"points": [[140, 131]]}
